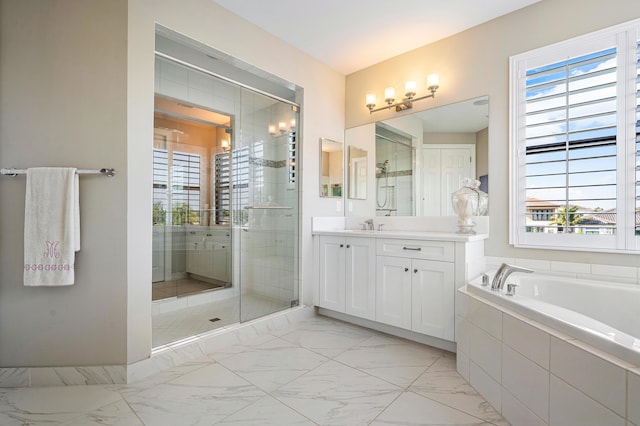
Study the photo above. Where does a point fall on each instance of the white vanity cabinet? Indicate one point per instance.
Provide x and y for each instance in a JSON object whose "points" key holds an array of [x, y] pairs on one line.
{"points": [[347, 275], [399, 282], [208, 252], [415, 286]]}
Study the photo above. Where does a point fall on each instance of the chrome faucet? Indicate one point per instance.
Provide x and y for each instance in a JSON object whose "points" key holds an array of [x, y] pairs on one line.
{"points": [[369, 223], [503, 272]]}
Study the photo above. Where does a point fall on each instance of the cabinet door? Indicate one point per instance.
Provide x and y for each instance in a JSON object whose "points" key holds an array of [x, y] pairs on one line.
{"points": [[205, 256], [393, 291], [432, 310], [220, 261], [332, 273], [360, 285], [194, 240]]}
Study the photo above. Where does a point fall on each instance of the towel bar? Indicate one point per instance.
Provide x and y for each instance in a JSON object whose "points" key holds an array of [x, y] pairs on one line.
{"points": [[106, 172]]}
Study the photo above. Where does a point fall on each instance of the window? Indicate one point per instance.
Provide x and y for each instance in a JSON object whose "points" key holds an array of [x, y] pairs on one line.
{"points": [[222, 185], [182, 176], [575, 148]]}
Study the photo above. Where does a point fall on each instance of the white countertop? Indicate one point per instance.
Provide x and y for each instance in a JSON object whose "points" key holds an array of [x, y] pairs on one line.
{"points": [[402, 234]]}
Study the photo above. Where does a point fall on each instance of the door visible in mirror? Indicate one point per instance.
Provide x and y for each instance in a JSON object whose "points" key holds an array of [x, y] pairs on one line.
{"points": [[357, 173], [331, 168]]}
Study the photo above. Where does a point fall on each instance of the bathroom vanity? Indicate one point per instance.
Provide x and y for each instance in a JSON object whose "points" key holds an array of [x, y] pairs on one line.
{"points": [[208, 252], [398, 281]]}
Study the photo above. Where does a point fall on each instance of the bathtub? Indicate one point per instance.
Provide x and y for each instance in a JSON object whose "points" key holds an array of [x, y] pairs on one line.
{"points": [[602, 315], [562, 351]]}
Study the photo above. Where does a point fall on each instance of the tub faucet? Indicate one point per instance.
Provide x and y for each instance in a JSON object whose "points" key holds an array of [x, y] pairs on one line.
{"points": [[369, 223], [503, 272]]}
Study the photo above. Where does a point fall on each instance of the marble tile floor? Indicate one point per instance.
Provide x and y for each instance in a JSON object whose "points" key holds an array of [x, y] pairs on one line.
{"points": [[190, 321], [318, 372]]}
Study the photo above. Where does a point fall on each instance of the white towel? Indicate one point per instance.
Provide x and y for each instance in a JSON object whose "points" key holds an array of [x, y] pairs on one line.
{"points": [[51, 226]]}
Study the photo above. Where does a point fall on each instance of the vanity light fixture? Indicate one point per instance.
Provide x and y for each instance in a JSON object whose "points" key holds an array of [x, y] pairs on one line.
{"points": [[282, 127], [433, 82]]}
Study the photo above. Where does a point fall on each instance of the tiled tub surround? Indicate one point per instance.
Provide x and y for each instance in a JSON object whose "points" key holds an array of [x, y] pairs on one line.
{"points": [[535, 374]]}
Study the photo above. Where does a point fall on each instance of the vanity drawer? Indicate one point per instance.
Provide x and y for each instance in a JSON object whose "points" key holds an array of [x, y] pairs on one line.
{"points": [[416, 249]]}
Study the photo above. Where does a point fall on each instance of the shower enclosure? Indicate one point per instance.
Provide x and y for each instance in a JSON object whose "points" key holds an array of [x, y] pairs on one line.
{"points": [[225, 206], [395, 159]]}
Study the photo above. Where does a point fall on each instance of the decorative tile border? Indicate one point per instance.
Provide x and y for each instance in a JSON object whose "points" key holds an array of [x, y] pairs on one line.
{"points": [[398, 173], [276, 164]]}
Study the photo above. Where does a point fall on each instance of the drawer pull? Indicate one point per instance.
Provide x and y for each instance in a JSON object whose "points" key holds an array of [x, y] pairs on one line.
{"points": [[412, 248]]}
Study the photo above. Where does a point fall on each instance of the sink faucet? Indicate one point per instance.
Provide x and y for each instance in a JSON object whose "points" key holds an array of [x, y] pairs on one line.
{"points": [[369, 223], [503, 272]]}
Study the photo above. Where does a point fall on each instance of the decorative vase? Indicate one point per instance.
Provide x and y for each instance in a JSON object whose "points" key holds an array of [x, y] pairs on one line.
{"points": [[469, 201]]}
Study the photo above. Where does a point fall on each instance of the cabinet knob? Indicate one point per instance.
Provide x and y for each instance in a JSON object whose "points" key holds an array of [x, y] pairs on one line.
{"points": [[406, 269], [348, 246], [341, 245], [415, 271]]}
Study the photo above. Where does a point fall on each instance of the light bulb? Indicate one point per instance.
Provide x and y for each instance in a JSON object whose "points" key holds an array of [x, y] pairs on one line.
{"points": [[371, 100], [389, 95], [410, 89], [433, 81]]}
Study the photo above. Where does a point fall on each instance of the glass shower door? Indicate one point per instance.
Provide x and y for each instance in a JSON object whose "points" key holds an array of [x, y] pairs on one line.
{"points": [[266, 206]]}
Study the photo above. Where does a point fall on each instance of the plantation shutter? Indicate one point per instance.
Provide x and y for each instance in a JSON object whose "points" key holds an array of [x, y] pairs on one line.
{"points": [[570, 143], [637, 128]]}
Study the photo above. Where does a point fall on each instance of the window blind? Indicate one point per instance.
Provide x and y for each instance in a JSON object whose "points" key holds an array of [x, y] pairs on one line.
{"points": [[570, 143], [221, 185], [160, 183], [637, 129], [185, 187]]}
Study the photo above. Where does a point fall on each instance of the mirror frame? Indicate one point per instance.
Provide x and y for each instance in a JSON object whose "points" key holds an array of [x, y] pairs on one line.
{"points": [[353, 193], [329, 187]]}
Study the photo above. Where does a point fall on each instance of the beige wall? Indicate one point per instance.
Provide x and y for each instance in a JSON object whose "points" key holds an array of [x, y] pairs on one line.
{"points": [[476, 63], [76, 89], [63, 94]]}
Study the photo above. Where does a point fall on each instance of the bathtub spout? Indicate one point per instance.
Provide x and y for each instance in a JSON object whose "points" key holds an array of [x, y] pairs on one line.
{"points": [[503, 272]]}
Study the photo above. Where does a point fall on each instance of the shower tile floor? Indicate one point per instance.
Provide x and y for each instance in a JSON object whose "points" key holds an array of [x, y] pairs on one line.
{"points": [[182, 287], [183, 323], [319, 372]]}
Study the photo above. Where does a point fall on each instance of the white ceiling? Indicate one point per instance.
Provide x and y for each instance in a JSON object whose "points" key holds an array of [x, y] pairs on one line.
{"points": [[349, 35]]}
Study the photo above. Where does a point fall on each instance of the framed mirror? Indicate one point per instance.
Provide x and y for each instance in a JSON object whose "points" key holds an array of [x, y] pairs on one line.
{"points": [[434, 135], [331, 168], [358, 173]]}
